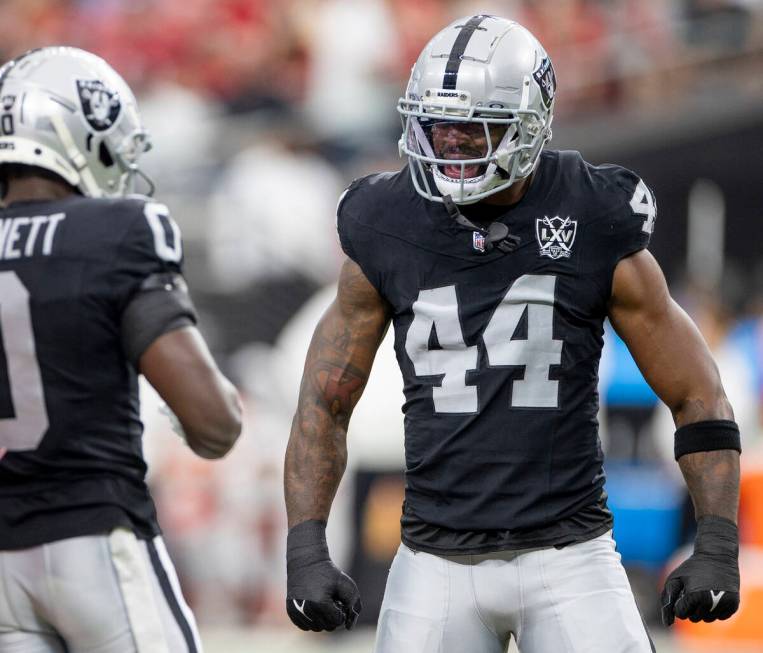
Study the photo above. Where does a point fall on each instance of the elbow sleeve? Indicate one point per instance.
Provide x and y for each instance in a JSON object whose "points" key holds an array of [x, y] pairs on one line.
{"points": [[161, 304]]}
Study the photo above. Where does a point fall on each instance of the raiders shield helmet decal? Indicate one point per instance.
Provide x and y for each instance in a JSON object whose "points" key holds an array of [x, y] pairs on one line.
{"points": [[100, 105], [546, 79], [556, 236]]}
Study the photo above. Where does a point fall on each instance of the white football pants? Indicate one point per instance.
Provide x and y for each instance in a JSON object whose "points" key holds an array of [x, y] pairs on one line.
{"points": [[571, 600], [96, 594]]}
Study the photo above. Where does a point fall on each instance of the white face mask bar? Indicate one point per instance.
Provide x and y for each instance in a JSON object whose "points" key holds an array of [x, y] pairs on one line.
{"points": [[505, 164], [126, 156], [426, 154]]}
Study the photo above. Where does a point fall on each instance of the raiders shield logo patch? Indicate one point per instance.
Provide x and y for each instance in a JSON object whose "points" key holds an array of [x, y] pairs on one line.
{"points": [[555, 236], [100, 105], [545, 78]]}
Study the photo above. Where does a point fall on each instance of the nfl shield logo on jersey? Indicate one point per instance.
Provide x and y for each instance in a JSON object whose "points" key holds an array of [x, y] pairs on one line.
{"points": [[100, 105], [555, 236], [478, 241]]}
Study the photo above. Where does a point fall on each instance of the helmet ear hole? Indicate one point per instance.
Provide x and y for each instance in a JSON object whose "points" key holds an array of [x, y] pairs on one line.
{"points": [[104, 156]]}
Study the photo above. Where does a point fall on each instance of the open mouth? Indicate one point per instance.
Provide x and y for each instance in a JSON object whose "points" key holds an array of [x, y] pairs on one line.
{"points": [[453, 170], [463, 145]]}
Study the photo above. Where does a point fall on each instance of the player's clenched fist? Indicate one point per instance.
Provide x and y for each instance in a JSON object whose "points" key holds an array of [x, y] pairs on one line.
{"points": [[319, 595], [706, 586]]}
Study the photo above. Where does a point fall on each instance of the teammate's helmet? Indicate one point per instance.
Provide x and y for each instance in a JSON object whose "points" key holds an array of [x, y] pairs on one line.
{"points": [[69, 112], [493, 77]]}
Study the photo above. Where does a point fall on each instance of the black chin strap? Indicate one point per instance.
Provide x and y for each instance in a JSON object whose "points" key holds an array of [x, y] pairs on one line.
{"points": [[496, 235]]}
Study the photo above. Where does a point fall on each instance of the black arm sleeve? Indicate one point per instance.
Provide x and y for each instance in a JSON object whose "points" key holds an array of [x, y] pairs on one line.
{"points": [[160, 305]]}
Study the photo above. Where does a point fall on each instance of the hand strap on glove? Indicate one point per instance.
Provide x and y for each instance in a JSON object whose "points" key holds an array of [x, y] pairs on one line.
{"points": [[717, 536], [307, 542]]}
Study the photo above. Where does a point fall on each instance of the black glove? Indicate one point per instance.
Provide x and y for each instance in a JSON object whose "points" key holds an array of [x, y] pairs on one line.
{"points": [[706, 586], [319, 596]]}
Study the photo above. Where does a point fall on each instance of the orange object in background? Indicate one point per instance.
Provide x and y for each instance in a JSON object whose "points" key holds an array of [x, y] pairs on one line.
{"points": [[751, 500]]}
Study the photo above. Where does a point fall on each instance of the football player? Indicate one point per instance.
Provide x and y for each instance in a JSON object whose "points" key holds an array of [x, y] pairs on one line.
{"points": [[91, 295], [497, 261]]}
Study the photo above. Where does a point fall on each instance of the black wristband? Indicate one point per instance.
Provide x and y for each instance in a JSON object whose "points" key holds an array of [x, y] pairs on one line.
{"points": [[710, 435], [717, 536]]}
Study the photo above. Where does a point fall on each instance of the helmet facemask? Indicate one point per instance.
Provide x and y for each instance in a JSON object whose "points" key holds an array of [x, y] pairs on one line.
{"points": [[126, 155], [488, 150]]}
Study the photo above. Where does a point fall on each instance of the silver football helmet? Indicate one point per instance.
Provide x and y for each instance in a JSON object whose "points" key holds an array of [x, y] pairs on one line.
{"points": [[477, 110], [69, 112]]}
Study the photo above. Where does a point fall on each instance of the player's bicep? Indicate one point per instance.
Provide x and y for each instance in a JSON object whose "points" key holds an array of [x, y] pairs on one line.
{"points": [[664, 342], [179, 365], [344, 344]]}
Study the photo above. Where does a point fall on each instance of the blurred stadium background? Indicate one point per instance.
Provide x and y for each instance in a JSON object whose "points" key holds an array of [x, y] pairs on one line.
{"points": [[263, 110]]}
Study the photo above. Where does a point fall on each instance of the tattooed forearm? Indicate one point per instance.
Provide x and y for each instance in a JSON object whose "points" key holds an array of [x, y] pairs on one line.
{"points": [[338, 388], [712, 477], [336, 371], [713, 481], [697, 410], [334, 380]]}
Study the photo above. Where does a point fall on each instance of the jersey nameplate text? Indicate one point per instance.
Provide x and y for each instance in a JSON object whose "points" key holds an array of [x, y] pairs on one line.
{"points": [[19, 237]]}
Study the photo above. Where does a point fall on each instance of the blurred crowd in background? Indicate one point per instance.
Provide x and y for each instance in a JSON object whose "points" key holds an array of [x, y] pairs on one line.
{"points": [[262, 111], [253, 54]]}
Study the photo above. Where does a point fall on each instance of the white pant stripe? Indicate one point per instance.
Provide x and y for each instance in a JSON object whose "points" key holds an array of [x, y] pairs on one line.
{"points": [[136, 586]]}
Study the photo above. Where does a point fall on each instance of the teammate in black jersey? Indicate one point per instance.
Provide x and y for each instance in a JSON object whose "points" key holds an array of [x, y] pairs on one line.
{"points": [[497, 262], [91, 295]]}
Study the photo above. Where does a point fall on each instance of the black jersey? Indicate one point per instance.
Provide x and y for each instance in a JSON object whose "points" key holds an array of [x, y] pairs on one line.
{"points": [[69, 412], [499, 352]]}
